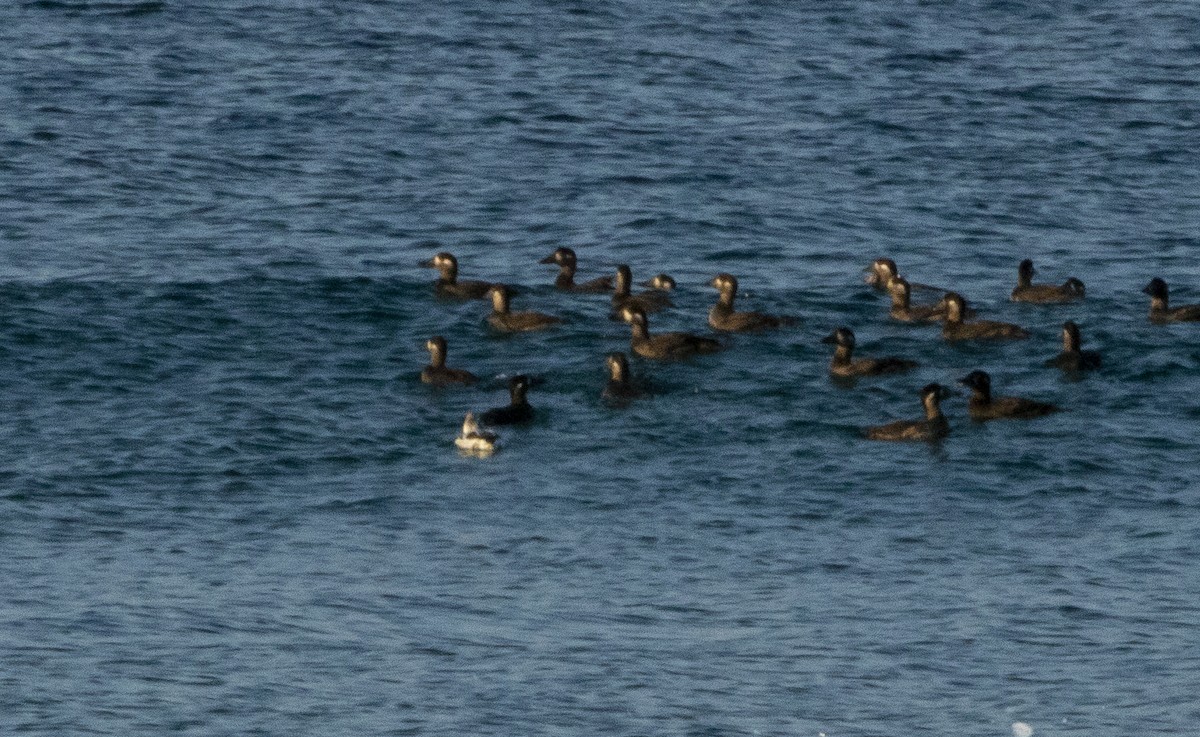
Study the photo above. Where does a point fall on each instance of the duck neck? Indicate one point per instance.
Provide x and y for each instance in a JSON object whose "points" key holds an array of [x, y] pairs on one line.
{"points": [[641, 331], [449, 273], [981, 395], [726, 298], [1158, 305], [841, 355], [1024, 279], [622, 287], [900, 299], [499, 303], [437, 358], [616, 372], [954, 313], [933, 407], [566, 276], [1070, 342]]}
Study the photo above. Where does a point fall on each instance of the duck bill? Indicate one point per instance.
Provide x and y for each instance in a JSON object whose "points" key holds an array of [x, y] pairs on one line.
{"points": [[548, 260], [831, 338]]}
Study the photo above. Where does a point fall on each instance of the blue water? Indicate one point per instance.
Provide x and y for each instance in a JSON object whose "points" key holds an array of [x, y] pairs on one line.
{"points": [[228, 507]]}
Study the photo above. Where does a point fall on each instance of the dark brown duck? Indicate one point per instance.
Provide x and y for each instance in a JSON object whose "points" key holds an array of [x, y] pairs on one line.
{"points": [[437, 373], [503, 319], [1161, 312], [1027, 291], [954, 328], [932, 427], [722, 316], [844, 363], [448, 284], [982, 406], [565, 258], [666, 346], [1072, 357]]}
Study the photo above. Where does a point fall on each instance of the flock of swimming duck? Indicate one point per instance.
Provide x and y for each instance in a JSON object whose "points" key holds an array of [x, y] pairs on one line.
{"points": [[949, 308]]}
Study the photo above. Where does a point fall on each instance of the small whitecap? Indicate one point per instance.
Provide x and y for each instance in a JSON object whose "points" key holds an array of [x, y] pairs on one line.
{"points": [[1021, 729]]}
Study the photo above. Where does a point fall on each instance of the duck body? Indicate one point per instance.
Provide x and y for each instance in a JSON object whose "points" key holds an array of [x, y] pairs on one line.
{"points": [[448, 284], [954, 328], [1073, 358], [437, 373], [844, 364], [1027, 291], [565, 282], [507, 321], [982, 406], [723, 317], [518, 411], [664, 346], [474, 440], [932, 427], [1161, 312]]}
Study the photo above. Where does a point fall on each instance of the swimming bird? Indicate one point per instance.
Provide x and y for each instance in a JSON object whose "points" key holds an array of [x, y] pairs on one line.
{"points": [[1160, 312], [666, 346], [437, 372], [882, 273], [448, 284], [473, 440], [933, 427], [620, 388], [518, 411], [723, 317], [982, 406], [955, 329], [843, 363], [515, 322], [646, 301], [565, 258], [904, 311], [1072, 358], [661, 282], [1027, 291]]}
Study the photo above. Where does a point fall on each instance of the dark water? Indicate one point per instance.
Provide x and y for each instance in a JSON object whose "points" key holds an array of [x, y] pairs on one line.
{"points": [[229, 508]]}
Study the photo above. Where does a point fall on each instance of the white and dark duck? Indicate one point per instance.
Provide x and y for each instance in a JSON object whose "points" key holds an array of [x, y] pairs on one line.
{"points": [[1159, 309], [474, 440], [1073, 358], [437, 373], [518, 410], [505, 320], [844, 364], [648, 302], [565, 258], [955, 328], [723, 317], [882, 273], [620, 388], [665, 346], [982, 406], [933, 427], [1026, 291], [448, 284]]}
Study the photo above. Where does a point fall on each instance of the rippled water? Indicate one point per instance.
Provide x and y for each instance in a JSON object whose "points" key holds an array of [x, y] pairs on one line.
{"points": [[230, 508]]}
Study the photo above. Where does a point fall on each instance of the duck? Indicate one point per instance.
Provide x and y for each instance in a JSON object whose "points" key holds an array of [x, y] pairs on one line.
{"points": [[1072, 358], [448, 284], [474, 440], [666, 346], [518, 411], [620, 388], [1027, 291], [723, 317], [843, 364], [647, 301], [983, 407], [661, 282], [955, 329], [933, 427], [1160, 312], [565, 258], [904, 311], [882, 273], [437, 373], [504, 320]]}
